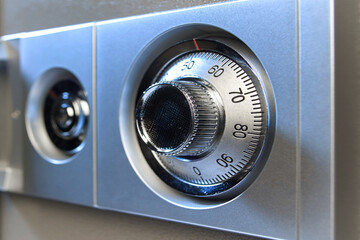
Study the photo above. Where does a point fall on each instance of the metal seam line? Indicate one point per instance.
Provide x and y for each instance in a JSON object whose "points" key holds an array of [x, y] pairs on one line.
{"points": [[332, 119], [94, 92], [298, 145]]}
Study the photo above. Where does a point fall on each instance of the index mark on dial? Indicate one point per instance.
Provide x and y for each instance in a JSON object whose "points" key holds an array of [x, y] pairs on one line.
{"points": [[196, 45]]}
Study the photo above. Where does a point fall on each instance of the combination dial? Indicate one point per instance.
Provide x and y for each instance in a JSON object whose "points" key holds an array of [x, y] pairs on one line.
{"points": [[178, 118], [203, 118]]}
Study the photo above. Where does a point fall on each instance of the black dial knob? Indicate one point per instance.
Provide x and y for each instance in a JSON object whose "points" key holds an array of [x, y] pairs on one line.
{"points": [[177, 118]]}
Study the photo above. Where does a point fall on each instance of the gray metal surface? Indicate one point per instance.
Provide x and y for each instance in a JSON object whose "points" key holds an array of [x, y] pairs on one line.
{"points": [[72, 50], [268, 207], [316, 119], [30, 15], [12, 128], [304, 192], [31, 218]]}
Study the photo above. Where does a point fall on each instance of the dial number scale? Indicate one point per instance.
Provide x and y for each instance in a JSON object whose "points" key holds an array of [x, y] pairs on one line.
{"points": [[238, 133]]}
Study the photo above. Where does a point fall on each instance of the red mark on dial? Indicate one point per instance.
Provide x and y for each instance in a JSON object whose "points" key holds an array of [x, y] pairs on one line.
{"points": [[196, 45]]}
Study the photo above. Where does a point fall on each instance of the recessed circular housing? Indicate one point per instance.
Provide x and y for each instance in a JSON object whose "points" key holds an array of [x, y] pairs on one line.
{"points": [[203, 118], [57, 115]]}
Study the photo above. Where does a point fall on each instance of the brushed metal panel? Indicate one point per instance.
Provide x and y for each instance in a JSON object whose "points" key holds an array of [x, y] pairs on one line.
{"points": [[271, 201], [30, 15], [316, 219], [71, 50], [12, 163], [267, 208]]}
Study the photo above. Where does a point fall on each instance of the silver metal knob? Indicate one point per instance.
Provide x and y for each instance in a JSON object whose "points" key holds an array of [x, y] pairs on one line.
{"points": [[178, 118]]}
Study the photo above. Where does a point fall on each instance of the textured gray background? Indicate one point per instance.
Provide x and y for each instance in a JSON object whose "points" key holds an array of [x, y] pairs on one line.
{"points": [[30, 218], [347, 132]]}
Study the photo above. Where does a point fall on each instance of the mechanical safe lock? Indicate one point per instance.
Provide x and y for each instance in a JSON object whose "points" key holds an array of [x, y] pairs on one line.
{"points": [[175, 121], [203, 117]]}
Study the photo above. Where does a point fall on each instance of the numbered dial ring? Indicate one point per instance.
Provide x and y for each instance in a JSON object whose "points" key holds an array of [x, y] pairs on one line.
{"points": [[241, 118]]}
